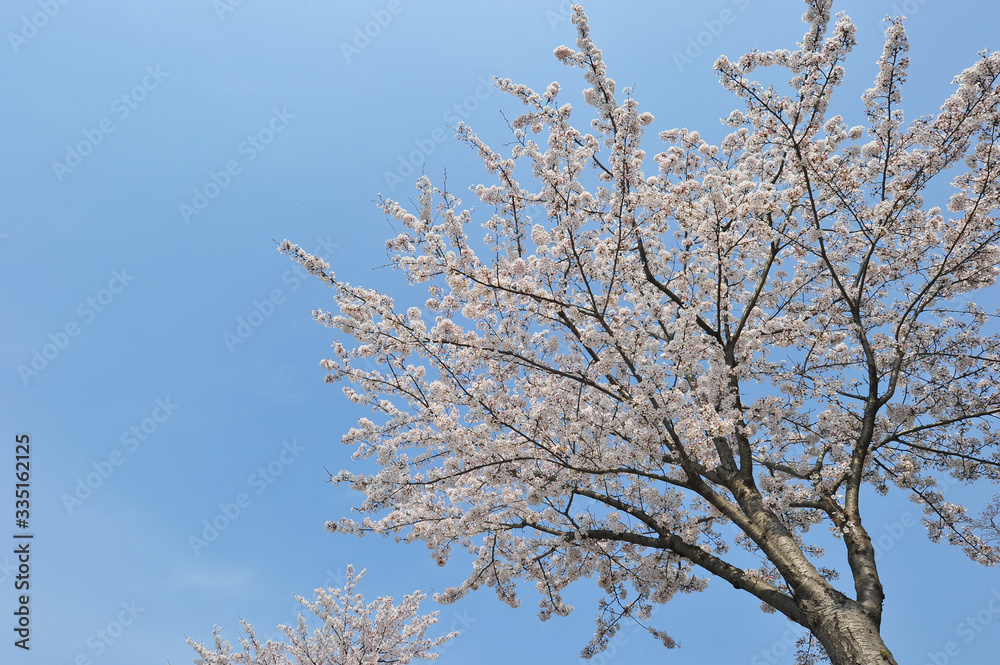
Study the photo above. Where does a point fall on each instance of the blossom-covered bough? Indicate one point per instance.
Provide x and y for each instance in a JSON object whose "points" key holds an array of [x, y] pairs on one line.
{"points": [[349, 632], [630, 368]]}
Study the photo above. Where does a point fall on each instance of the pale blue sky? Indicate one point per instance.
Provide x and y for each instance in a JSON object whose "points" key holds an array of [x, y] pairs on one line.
{"points": [[135, 287]]}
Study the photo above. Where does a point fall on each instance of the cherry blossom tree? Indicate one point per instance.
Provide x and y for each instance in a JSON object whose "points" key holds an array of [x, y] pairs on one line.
{"points": [[661, 369], [351, 633]]}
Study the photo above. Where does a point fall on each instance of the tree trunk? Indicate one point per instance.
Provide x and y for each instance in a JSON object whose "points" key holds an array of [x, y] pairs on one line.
{"points": [[849, 635]]}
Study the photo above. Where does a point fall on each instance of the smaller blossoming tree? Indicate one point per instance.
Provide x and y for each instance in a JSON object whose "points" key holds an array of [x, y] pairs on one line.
{"points": [[351, 633]]}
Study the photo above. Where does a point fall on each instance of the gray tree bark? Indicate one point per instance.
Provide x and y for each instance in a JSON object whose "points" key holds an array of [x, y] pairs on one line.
{"points": [[849, 635]]}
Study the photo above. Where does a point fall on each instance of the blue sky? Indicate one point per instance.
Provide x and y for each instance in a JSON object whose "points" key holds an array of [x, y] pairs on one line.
{"points": [[157, 347]]}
